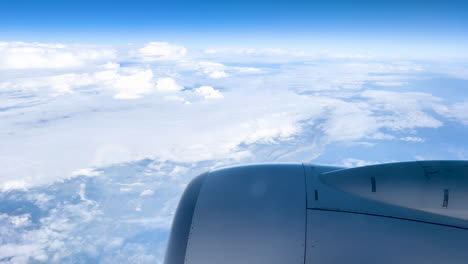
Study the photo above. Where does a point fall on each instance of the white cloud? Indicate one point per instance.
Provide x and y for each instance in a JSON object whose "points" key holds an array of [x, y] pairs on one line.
{"points": [[160, 51], [147, 192], [248, 70], [269, 129], [342, 55], [457, 111], [213, 70], [86, 172], [178, 170], [125, 83], [218, 74], [209, 92], [14, 185], [294, 54], [176, 98], [389, 83], [55, 85], [351, 163], [354, 120], [413, 139], [324, 101], [408, 109], [95, 228], [22, 55], [257, 52], [349, 121], [211, 51], [167, 84], [51, 239], [134, 85], [16, 220], [221, 130]]}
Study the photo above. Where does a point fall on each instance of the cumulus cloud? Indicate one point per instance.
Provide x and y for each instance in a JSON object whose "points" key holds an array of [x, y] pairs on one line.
{"points": [[160, 51], [213, 70], [133, 85], [209, 92], [125, 83], [22, 55], [167, 84]]}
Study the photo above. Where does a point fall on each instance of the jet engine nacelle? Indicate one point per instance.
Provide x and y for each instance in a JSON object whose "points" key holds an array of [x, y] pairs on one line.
{"points": [[410, 212]]}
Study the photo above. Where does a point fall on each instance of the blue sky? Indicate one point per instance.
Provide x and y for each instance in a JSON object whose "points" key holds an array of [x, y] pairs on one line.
{"points": [[203, 22], [201, 15], [109, 108]]}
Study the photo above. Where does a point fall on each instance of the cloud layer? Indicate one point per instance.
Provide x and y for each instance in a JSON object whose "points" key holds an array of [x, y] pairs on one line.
{"points": [[97, 136]]}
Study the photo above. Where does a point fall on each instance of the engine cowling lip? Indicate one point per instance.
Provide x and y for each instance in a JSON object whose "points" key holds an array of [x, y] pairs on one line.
{"points": [[181, 225]]}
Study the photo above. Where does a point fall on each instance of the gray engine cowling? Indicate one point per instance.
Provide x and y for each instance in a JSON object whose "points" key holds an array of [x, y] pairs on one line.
{"points": [[410, 212]]}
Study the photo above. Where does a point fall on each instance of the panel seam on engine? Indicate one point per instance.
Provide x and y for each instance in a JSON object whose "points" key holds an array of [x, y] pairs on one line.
{"points": [[388, 216]]}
